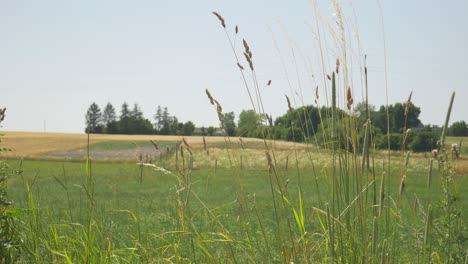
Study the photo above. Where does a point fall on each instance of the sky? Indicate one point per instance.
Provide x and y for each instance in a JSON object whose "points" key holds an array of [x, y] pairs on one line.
{"points": [[58, 57]]}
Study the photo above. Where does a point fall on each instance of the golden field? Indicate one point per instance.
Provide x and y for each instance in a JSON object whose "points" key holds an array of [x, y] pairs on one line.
{"points": [[37, 144]]}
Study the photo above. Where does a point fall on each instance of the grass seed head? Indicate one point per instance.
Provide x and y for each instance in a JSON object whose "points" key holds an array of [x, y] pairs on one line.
{"points": [[349, 98], [249, 60], [316, 94], [209, 96], [241, 142], [246, 46], [408, 103], [337, 65], [221, 19], [289, 104], [2, 114]]}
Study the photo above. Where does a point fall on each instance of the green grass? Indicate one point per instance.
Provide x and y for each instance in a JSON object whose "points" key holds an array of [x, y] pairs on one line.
{"points": [[240, 200], [200, 206]]}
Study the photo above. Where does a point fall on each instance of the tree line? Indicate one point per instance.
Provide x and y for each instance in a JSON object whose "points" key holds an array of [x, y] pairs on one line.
{"points": [[132, 122], [308, 123]]}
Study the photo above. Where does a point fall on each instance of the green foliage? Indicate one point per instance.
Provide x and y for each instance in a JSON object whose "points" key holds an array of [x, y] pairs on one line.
{"points": [[210, 131], [168, 125], [424, 141], [131, 122], [249, 121], [397, 117], [9, 241], [188, 128], [108, 116], [395, 141], [458, 129], [230, 123], [93, 119]]}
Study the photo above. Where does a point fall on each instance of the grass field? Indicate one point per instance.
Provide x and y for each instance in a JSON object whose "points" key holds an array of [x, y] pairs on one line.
{"points": [[220, 205]]}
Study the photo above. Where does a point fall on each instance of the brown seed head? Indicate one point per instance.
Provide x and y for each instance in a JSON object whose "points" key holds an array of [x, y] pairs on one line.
{"points": [[187, 146], [249, 60], [2, 114], [349, 98], [408, 104], [337, 65], [241, 142], [220, 19], [209, 96], [246, 46], [289, 104]]}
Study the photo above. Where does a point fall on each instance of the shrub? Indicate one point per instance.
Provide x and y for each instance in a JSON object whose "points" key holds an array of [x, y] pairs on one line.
{"points": [[395, 141], [424, 141]]}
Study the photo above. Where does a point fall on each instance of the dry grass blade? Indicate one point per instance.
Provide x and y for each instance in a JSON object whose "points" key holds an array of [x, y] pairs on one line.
{"points": [[220, 19], [269, 160]]}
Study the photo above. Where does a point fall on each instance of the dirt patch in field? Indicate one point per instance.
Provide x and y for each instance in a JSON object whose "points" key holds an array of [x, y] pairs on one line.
{"points": [[146, 154]]}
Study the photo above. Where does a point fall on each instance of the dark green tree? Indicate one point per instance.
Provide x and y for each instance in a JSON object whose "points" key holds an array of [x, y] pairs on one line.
{"points": [[158, 118], [210, 131], [249, 121], [397, 117], [93, 119], [108, 115], [424, 141], [124, 122], [458, 129], [188, 128], [230, 123], [136, 113]]}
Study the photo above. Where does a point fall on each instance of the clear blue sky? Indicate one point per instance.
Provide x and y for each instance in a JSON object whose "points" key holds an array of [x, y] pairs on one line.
{"points": [[57, 57]]}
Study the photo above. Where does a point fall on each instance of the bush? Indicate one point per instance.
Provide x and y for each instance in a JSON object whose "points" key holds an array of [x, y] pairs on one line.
{"points": [[395, 141], [424, 141]]}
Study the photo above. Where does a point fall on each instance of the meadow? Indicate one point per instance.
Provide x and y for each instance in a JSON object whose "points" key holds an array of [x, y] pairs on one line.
{"points": [[219, 202], [335, 198]]}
